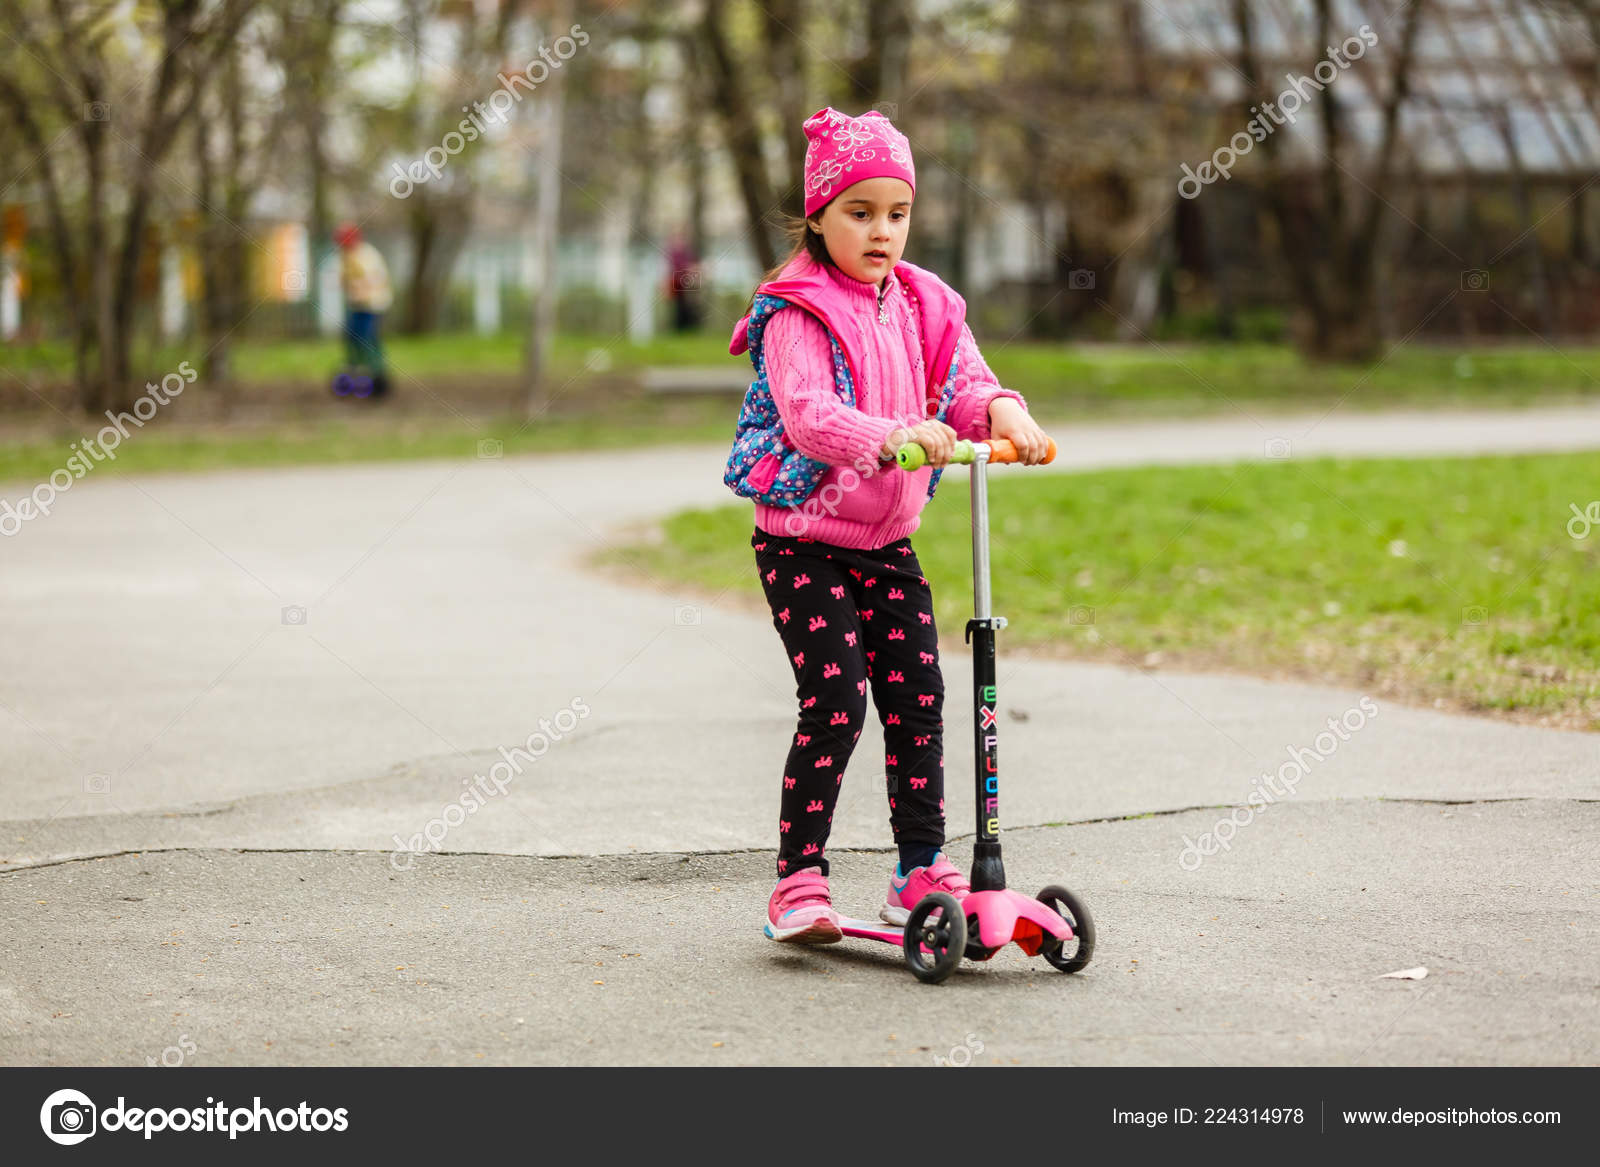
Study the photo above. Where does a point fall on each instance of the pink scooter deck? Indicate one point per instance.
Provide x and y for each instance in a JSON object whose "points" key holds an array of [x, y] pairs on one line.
{"points": [[873, 930]]}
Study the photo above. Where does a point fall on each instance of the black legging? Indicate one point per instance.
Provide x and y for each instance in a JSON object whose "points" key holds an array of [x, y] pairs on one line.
{"points": [[849, 619]]}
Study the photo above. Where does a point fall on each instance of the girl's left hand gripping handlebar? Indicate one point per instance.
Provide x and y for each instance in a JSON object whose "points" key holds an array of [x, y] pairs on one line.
{"points": [[912, 456]]}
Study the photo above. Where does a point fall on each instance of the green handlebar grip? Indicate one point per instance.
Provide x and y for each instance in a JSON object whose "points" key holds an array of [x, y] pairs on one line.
{"points": [[913, 457]]}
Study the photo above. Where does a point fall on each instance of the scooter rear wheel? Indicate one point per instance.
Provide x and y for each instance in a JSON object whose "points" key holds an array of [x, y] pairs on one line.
{"points": [[1056, 951], [934, 944]]}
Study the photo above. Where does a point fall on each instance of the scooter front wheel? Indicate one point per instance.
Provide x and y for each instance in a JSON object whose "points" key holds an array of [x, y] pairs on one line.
{"points": [[1062, 957], [934, 944]]}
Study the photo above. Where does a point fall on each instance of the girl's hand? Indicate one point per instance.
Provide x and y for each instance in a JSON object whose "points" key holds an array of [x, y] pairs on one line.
{"points": [[1007, 419], [938, 439]]}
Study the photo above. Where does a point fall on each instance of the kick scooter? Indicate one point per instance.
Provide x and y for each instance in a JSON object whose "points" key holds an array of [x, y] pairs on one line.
{"points": [[941, 929], [358, 382]]}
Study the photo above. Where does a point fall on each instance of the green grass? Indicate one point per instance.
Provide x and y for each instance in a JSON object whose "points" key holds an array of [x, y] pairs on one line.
{"points": [[441, 357], [460, 376], [1190, 378], [1358, 572], [341, 441]]}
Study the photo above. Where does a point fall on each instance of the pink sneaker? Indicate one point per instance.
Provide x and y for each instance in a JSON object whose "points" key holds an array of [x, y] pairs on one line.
{"points": [[801, 910], [906, 890]]}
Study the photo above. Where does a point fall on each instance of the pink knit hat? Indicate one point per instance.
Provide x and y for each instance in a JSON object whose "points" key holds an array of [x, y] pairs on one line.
{"points": [[842, 151]]}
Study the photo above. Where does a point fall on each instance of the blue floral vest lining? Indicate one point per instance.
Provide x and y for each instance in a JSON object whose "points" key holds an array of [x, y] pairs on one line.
{"points": [[763, 464]]}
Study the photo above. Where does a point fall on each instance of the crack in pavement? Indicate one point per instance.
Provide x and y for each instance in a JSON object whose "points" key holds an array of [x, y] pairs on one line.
{"points": [[961, 837]]}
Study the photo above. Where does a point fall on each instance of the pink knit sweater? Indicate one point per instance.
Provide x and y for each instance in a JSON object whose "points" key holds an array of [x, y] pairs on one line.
{"points": [[863, 501]]}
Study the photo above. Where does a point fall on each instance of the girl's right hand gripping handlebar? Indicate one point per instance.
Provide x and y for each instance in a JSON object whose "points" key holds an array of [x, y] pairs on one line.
{"points": [[912, 456]]}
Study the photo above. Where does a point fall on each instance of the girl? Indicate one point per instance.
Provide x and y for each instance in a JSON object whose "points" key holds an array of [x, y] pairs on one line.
{"points": [[857, 353]]}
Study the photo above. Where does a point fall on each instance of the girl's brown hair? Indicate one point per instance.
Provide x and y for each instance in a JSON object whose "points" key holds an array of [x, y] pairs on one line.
{"points": [[799, 237]]}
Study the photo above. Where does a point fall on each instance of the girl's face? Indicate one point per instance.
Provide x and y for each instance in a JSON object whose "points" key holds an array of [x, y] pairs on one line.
{"points": [[865, 227]]}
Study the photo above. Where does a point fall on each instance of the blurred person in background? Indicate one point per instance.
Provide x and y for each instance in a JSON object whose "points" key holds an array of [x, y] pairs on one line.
{"points": [[683, 285], [364, 277]]}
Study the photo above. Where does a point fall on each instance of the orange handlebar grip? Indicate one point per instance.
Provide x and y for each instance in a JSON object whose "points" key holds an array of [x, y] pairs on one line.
{"points": [[1001, 450]]}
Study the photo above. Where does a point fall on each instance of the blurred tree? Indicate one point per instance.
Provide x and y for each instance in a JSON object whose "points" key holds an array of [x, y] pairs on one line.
{"points": [[879, 75], [78, 69], [252, 120], [306, 45], [730, 94], [546, 225], [450, 74], [782, 25], [1329, 234]]}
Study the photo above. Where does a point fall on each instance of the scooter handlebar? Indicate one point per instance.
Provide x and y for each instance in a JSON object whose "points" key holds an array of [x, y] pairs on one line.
{"points": [[912, 456]]}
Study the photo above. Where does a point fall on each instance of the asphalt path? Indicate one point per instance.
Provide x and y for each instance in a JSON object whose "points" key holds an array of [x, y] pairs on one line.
{"points": [[224, 697]]}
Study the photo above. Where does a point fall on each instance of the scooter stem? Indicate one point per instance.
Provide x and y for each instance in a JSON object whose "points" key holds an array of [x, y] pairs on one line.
{"points": [[988, 870], [980, 533]]}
